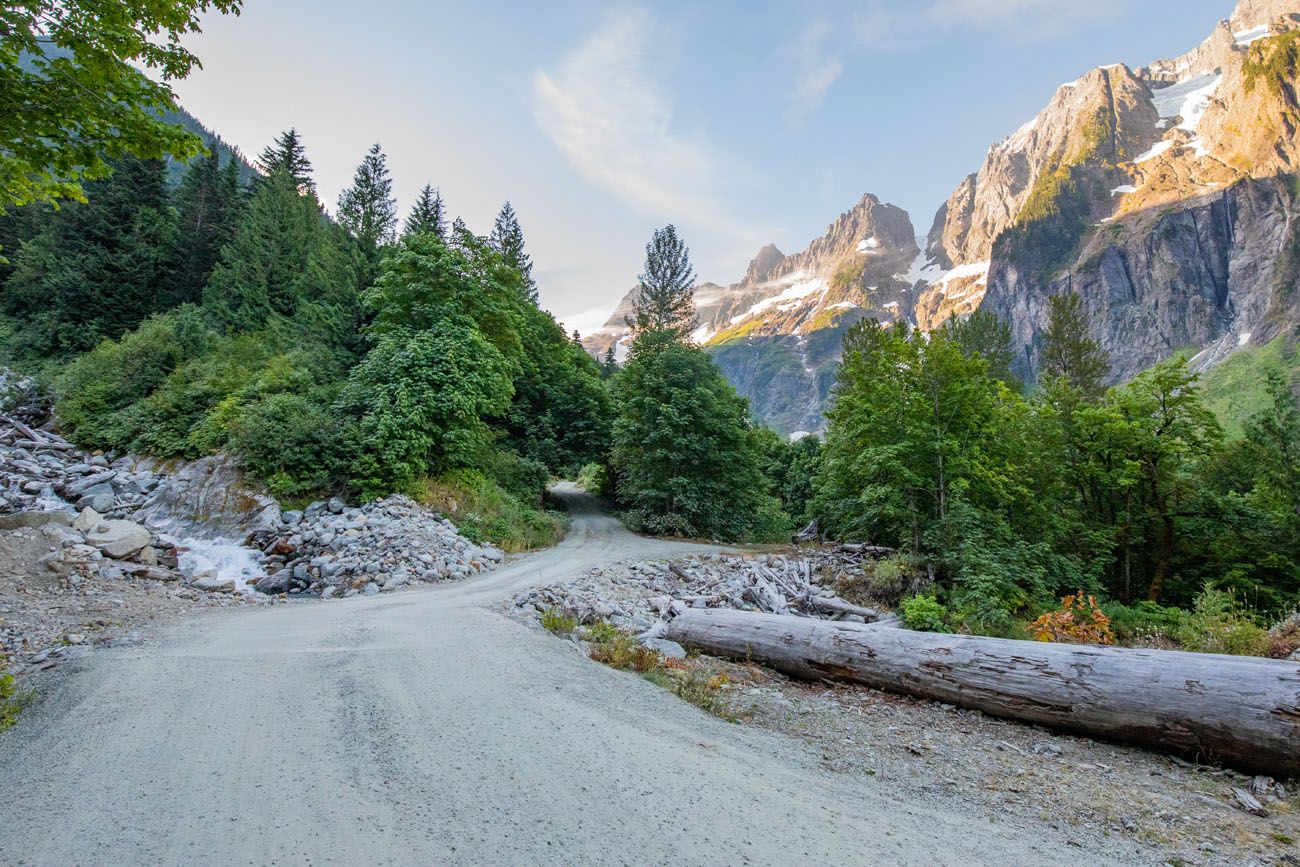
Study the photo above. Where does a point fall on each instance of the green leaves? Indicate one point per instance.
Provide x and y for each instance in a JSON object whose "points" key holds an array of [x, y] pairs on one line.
{"points": [[72, 100], [422, 396], [686, 458]]}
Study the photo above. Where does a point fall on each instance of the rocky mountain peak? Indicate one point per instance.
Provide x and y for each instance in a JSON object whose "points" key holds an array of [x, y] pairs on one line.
{"points": [[764, 265]]}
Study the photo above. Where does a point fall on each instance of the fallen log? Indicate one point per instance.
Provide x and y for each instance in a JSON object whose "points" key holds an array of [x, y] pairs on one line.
{"points": [[1242, 711], [839, 606]]}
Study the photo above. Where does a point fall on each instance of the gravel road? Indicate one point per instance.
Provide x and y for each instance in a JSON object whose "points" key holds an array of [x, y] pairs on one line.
{"points": [[422, 728]]}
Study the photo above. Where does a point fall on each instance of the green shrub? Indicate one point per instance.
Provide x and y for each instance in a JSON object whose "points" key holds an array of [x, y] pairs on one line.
{"points": [[12, 699], [594, 479], [294, 444], [484, 511], [556, 621], [1218, 623], [924, 614], [96, 394], [1144, 620]]}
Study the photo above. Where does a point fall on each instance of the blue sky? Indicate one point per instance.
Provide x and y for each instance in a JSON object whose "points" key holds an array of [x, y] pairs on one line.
{"points": [[742, 123]]}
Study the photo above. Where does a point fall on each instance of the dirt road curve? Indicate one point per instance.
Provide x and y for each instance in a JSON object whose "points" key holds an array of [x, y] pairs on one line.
{"points": [[421, 728]]}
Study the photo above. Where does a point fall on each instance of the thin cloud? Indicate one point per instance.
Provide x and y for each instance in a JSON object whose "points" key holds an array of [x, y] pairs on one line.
{"points": [[604, 111], [817, 66]]}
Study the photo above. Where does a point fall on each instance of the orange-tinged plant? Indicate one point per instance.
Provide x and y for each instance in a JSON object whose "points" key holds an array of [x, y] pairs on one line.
{"points": [[1079, 620]]}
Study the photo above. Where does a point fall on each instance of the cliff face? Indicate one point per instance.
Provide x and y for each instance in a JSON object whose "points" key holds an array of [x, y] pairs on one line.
{"points": [[1161, 196]]}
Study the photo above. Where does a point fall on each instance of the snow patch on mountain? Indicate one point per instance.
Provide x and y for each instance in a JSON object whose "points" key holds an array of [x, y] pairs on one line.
{"points": [[1156, 150], [1245, 37], [1187, 99], [788, 299]]}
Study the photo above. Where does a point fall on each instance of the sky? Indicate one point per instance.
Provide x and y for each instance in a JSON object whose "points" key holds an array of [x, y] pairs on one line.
{"points": [[740, 122]]}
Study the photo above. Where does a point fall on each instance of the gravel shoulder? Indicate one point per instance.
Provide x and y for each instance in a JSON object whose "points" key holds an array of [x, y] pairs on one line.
{"points": [[1103, 797]]}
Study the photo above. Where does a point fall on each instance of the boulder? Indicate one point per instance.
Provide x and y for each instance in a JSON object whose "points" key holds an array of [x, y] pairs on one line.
{"points": [[666, 648], [118, 539], [214, 584], [277, 582], [88, 520], [99, 497], [81, 486], [34, 519]]}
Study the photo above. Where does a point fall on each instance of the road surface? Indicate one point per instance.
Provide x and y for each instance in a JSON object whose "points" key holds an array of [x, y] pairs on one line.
{"points": [[422, 728]]}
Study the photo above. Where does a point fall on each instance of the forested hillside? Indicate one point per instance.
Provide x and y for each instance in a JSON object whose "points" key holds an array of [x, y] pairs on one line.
{"points": [[325, 355]]}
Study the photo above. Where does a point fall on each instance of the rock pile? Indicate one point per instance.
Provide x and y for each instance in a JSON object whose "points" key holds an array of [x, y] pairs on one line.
{"points": [[328, 548], [331, 549], [633, 595]]}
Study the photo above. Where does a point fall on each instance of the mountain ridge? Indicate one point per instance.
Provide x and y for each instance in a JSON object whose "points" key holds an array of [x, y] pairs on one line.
{"points": [[1163, 195]]}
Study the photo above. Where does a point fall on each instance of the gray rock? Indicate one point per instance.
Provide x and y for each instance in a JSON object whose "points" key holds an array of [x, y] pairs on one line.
{"points": [[81, 486], [293, 517], [336, 505], [99, 497], [214, 584], [666, 648], [277, 582], [34, 519], [118, 539], [88, 520], [371, 589]]}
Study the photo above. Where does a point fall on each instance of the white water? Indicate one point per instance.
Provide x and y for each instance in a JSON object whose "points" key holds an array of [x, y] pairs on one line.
{"points": [[226, 558]]}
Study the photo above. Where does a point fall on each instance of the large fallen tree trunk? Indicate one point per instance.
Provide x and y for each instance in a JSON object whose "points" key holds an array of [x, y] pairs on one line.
{"points": [[1242, 711]]}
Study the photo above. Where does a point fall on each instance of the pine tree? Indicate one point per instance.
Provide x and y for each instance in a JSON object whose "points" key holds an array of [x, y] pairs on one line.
{"points": [[367, 209], [97, 268], [1069, 352], [665, 299], [508, 238], [287, 153], [609, 366], [207, 203], [428, 214], [281, 264], [985, 336]]}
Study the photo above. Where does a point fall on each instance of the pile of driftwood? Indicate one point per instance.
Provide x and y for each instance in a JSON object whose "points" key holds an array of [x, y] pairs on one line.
{"points": [[14, 432], [778, 584]]}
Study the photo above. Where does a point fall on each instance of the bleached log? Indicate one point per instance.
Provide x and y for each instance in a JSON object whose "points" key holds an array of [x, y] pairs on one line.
{"points": [[1242, 711], [839, 606]]}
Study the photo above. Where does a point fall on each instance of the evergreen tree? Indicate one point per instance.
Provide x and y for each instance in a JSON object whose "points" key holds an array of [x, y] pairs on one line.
{"points": [[983, 335], [287, 154], [685, 455], [282, 265], [609, 366], [508, 238], [367, 209], [97, 268], [1069, 352], [208, 205], [665, 299], [428, 214]]}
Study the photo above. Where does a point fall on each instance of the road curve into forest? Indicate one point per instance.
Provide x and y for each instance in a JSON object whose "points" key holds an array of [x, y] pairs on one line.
{"points": [[423, 728]]}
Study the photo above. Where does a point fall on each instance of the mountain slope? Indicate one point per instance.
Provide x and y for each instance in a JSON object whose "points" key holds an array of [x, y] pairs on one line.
{"points": [[1166, 197], [1161, 196]]}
